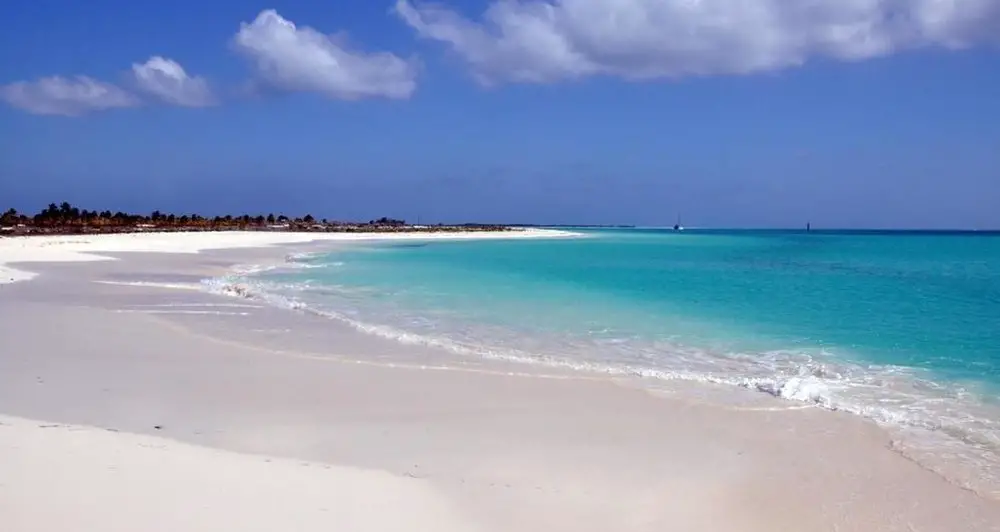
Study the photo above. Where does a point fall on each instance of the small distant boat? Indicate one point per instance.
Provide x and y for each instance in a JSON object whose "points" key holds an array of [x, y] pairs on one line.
{"points": [[678, 226]]}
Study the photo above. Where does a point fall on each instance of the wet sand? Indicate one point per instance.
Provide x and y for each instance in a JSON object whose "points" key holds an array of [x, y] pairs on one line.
{"points": [[221, 384]]}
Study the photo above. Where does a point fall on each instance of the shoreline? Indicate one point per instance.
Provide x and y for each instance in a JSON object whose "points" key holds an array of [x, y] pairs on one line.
{"points": [[971, 465], [92, 247], [964, 452], [603, 455]]}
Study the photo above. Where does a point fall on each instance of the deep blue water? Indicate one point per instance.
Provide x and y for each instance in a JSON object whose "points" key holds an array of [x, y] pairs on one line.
{"points": [[901, 327]]}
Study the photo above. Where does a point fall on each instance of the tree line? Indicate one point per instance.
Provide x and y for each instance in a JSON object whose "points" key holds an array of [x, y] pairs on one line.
{"points": [[67, 215]]}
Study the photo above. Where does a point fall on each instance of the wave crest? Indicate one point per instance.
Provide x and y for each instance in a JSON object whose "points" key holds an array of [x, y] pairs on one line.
{"points": [[932, 415]]}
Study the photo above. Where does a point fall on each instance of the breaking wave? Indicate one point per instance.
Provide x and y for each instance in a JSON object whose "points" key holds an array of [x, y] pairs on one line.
{"points": [[928, 418]]}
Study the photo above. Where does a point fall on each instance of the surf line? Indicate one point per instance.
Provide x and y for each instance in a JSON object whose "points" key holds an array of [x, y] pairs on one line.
{"points": [[179, 311], [346, 359], [149, 284]]}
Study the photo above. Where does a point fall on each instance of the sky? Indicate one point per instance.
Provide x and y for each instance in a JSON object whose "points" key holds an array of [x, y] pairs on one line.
{"points": [[728, 113]]}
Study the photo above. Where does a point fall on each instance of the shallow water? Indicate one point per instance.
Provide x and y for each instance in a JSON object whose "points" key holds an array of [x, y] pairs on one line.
{"points": [[903, 328]]}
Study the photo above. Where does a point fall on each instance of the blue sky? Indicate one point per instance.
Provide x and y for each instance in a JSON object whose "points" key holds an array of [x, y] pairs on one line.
{"points": [[869, 113]]}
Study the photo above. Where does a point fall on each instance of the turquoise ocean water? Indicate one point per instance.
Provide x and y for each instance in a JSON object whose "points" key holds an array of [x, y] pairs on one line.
{"points": [[903, 328]]}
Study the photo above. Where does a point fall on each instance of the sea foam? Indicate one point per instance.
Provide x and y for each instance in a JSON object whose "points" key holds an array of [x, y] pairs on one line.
{"points": [[928, 418]]}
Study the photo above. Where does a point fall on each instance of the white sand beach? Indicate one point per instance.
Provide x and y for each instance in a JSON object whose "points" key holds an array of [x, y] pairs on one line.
{"points": [[123, 409], [64, 477], [82, 248]]}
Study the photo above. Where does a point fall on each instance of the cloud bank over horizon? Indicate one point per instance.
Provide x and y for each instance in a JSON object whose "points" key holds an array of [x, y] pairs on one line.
{"points": [[545, 41]]}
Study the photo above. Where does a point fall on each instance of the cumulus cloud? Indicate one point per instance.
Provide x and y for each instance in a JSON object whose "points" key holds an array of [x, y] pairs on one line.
{"points": [[167, 80], [57, 95], [293, 58], [549, 40]]}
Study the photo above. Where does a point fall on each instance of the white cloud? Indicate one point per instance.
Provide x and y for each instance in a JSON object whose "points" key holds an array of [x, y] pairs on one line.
{"points": [[168, 81], [295, 58], [549, 40], [57, 95]]}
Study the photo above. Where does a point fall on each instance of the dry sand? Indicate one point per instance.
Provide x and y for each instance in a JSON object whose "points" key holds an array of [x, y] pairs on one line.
{"points": [[85, 248], [63, 477], [391, 437]]}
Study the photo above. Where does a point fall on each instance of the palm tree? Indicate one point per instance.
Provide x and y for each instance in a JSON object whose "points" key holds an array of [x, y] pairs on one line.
{"points": [[66, 217]]}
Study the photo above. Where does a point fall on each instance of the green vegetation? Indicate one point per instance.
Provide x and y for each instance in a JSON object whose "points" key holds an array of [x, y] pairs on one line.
{"points": [[66, 218]]}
